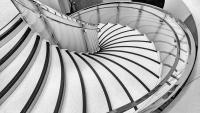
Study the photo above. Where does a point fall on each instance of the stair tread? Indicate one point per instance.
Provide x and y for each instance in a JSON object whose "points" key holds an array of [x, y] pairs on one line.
{"points": [[73, 91], [9, 45], [153, 66], [132, 43], [115, 32], [117, 95], [139, 51], [9, 72], [94, 93], [20, 96], [46, 103]]}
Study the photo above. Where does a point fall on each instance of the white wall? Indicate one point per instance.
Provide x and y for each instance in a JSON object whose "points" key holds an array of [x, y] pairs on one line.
{"points": [[188, 101], [177, 8]]}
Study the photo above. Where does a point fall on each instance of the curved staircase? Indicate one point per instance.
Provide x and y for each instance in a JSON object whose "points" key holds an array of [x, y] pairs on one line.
{"points": [[127, 74], [107, 79]]}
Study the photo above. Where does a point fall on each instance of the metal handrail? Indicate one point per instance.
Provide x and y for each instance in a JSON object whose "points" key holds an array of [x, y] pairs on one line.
{"points": [[45, 16], [173, 67], [168, 75], [47, 9]]}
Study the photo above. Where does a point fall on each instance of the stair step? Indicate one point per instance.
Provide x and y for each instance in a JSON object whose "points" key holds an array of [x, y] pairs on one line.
{"points": [[21, 96], [127, 33], [110, 30], [73, 99], [114, 33], [14, 73], [47, 101], [132, 43], [131, 82], [137, 37], [151, 65], [141, 51], [9, 45], [113, 85], [17, 48], [104, 29], [10, 27], [94, 94], [7, 35], [149, 79]]}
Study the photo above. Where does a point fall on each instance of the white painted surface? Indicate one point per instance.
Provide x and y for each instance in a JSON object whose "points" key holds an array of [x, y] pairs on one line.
{"points": [[72, 102], [22, 93], [94, 93], [115, 91], [7, 27], [8, 46], [7, 12], [177, 8], [188, 101], [11, 70], [47, 101], [133, 85], [138, 51], [109, 30], [141, 73]]}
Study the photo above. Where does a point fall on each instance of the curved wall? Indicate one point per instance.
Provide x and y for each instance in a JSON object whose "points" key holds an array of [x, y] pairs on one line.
{"points": [[188, 100], [177, 8]]}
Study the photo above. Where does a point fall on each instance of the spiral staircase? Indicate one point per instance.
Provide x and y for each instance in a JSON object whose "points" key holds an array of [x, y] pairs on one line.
{"points": [[140, 61]]}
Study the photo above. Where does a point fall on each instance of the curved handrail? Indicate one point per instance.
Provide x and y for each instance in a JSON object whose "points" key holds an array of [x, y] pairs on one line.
{"points": [[187, 33], [173, 67], [45, 7], [138, 3], [45, 16], [61, 15]]}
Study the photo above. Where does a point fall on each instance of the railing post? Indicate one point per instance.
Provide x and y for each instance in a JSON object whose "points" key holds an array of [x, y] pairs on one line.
{"points": [[139, 16], [118, 13], [98, 15], [159, 27], [84, 34]]}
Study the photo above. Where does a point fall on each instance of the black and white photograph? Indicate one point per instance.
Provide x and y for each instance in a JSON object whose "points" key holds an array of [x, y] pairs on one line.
{"points": [[99, 56]]}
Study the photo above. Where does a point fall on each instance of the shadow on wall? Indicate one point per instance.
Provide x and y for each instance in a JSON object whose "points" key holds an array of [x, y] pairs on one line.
{"points": [[158, 3], [190, 23], [80, 4]]}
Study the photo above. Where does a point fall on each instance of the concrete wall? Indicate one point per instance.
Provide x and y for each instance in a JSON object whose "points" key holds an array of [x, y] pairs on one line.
{"points": [[177, 8], [188, 101]]}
